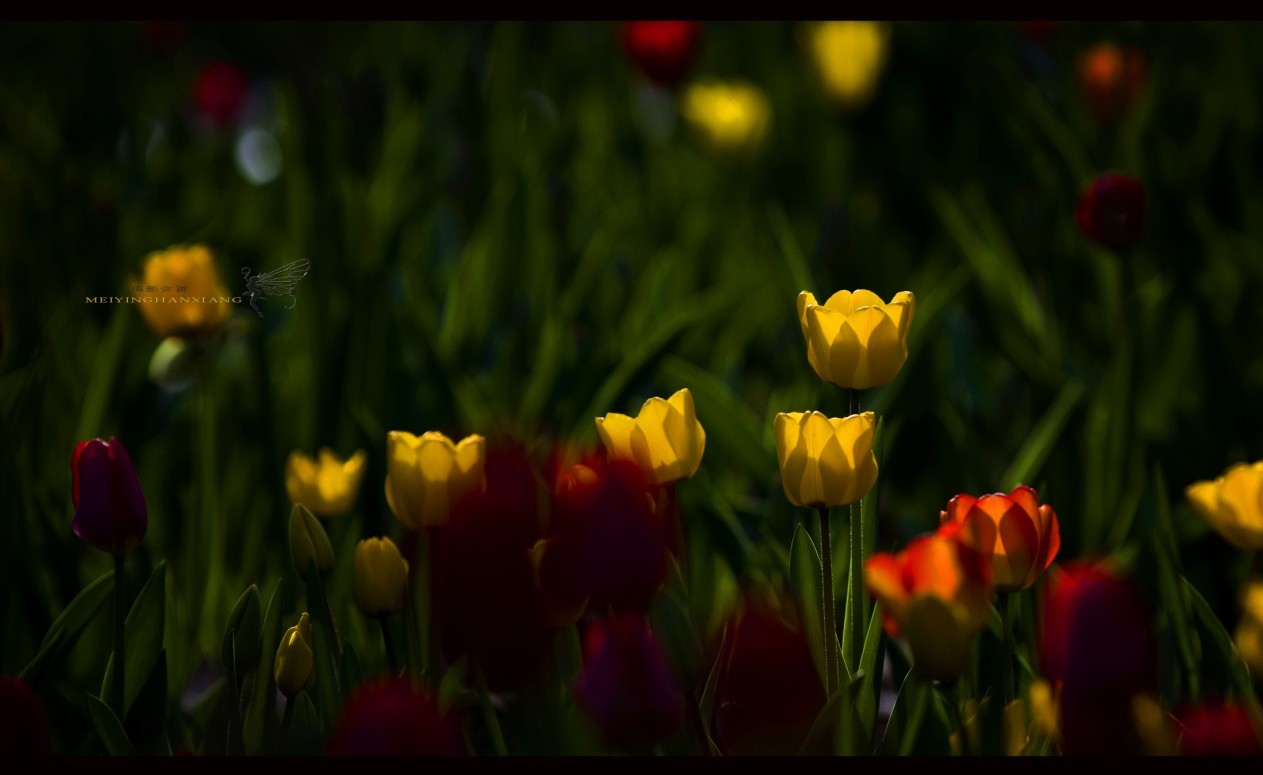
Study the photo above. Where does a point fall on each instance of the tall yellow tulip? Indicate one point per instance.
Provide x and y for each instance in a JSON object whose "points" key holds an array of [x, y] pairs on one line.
{"points": [[295, 668], [825, 462], [665, 440], [855, 340], [184, 272], [1233, 504], [381, 577], [849, 57], [1249, 635], [327, 485], [426, 475]]}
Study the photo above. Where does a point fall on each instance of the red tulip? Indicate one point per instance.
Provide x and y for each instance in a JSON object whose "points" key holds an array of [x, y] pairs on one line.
{"points": [[219, 91], [110, 511], [611, 541], [1112, 211], [23, 724], [663, 50], [1096, 642], [768, 692], [1216, 728], [1027, 535], [390, 717], [626, 686]]}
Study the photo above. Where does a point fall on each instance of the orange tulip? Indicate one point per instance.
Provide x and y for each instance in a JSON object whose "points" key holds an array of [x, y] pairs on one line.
{"points": [[1026, 534], [936, 594]]}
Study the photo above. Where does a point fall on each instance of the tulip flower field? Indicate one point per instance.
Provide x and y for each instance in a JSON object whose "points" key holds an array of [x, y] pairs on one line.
{"points": [[631, 388]]}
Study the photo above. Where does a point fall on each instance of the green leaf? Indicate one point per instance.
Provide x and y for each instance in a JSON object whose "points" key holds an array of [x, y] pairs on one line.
{"points": [[806, 580], [146, 723], [68, 626], [819, 740], [488, 711], [143, 629], [869, 679], [1041, 440], [351, 673], [452, 686], [107, 727], [328, 690], [1238, 673], [246, 620], [1176, 601], [261, 724], [306, 733], [706, 706]]}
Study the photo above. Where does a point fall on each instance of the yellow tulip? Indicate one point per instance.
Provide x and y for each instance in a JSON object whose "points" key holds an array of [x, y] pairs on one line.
{"points": [[1233, 504], [825, 462], [381, 577], [665, 440], [855, 340], [326, 485], [1249, 635], [177, 273], [295, 668], [308, 541], [728, 115], [426, 475], [849, 57], [1014, 727]]}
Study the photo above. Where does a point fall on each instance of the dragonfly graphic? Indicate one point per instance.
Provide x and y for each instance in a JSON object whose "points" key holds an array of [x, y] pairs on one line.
{"points": [[275, 284]]}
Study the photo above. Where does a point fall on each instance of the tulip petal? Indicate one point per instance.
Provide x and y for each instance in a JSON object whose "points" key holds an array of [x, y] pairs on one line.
{"points": [[838, 350], [940, 638], [792, 454], [615, 432], [957, 508], [883, 576], [817, 433], [855, 434], [882, 353]]}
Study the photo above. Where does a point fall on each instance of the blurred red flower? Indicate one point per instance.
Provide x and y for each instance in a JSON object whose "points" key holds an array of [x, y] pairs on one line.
{"points": [[1216, 728], [110, 510], [611, 540], [23, 724], [768, 693], [1096, 642], [1111, 78], [219, 91], [1112, 210], [626, 686], [664, 51], [390, 717]]}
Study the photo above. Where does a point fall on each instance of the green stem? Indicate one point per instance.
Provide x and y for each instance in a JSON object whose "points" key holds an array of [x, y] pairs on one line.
{"points": [[120, 627], [1006, 601], [391, 658], [855, 582], [830, 611], [333, 630], [287, 720]]}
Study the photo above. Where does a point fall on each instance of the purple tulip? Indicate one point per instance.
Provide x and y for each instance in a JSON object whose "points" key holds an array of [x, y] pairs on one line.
{"points": [[1112, 211], [110, 510]]}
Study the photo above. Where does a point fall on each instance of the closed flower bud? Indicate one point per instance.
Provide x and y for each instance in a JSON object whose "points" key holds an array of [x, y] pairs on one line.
{"points": [[936, 594], [1249, 635], [381, 577], [1233, 504], [327, 485], [665, 439], [1026, 536], [193, 269], [664, 51], [1112, 211], [427, 475], [729, 116], [246, 624], [295, 668], [308, 541], [855, 340], [849, 57], [825, 462], [110, 511]]}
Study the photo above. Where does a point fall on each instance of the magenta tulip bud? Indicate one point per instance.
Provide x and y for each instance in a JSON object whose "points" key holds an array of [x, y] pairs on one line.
{"points": [[110, 510], [1112, 211]]}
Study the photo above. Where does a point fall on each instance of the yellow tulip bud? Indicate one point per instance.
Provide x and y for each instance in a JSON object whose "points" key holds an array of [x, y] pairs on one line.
{"points": [[327, 485], [184, 273], [730, 116], [295, 668], [1249, 635], [855, 340], [665, 440], [381, 577], [849, 57], [308, 541], [1233, 504], [825, 462], [426, 475]]}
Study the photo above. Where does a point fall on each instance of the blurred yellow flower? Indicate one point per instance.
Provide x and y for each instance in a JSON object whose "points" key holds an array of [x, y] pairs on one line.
{"points": [[381, 577], [1014, 721], [1233, 504], [1045, 711], [729, 115], [426, 475], [856, 340], [178, 273], [1249, 635], [326, 485], [849, 57], [295, 668], [825, 462], [665, 440]]}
